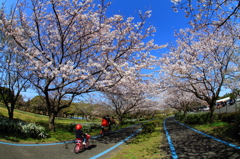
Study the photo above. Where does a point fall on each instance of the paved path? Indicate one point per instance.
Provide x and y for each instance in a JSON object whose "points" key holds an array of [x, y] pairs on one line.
{"points": [[187, 143], [65, 151]]}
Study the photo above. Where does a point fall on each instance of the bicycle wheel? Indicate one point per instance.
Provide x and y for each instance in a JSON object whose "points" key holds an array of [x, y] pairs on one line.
{"points": [[77, 148], [101, 133], [87, 144]]}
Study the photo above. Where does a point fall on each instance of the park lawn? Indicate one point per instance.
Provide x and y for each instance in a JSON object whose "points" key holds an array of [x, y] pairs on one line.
{"points": [[37, 118], [211, 126], [144, 146]]}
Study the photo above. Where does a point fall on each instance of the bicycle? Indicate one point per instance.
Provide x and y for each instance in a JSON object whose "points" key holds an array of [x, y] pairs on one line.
{"points": [[105, 131], [79, 147]]}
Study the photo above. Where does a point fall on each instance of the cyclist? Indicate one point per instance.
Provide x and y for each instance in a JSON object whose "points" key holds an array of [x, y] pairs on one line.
{"points": [[105, 123], [109, 122], [80, 134]]}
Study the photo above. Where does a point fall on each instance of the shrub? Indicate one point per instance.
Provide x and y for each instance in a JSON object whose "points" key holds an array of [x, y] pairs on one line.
{"points": [[196, 118], [22, 128], [131, 121], [149, 127], [229, 117], [237, 121], [90, 127], [71, 127], [33, 130], [179, 116], [199, 118]]}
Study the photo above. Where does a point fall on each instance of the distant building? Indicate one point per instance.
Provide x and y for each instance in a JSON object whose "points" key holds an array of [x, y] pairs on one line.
{"points": [[223, 100]]}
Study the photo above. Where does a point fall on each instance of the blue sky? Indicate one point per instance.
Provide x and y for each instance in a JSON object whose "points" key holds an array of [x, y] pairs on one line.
{"points": [[163, 18]]}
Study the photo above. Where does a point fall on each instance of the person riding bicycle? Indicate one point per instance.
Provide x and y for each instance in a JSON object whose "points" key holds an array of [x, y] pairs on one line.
{"points": [[105, 123], [80, 134], [109, 122]]}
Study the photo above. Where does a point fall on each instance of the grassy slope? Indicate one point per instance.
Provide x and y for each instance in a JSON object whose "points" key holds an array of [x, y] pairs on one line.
{"points": [[31, 117], [58, 136]]}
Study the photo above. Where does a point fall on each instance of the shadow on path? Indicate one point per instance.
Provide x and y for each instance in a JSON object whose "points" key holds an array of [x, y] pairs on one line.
{"points": [[190, 144], [115, 137]]}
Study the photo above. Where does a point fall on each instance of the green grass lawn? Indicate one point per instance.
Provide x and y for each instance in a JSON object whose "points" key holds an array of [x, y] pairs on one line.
{"points": [[144, 146], [37, 118]]}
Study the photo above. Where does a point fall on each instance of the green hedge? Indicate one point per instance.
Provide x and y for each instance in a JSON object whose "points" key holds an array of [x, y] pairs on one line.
{"points": [[131, 121], [202, 118], [149, 127], [179, 116], [196, 118]]}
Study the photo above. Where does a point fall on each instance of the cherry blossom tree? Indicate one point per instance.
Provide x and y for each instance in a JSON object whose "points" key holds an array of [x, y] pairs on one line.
{"points": [[72, 47], [150, 107], [180, 100], [102, 109], [199, 63], [11, 84], [216, 13], [128, 97], [233, 80]]}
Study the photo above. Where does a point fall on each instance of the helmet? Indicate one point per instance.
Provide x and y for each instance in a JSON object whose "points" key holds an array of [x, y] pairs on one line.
{"points": [[78, 127]]}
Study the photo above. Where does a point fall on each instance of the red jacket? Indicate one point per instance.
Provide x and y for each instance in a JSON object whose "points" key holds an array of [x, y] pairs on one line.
{"points": [[105, 122]]}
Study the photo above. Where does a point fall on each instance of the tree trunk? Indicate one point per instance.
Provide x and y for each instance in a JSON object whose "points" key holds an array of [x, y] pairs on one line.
{"points": [[10, 114], [211, 112], [120, 118], [184, 113], [138, 118], [51, 123], [10, 110], [86, 117]]}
